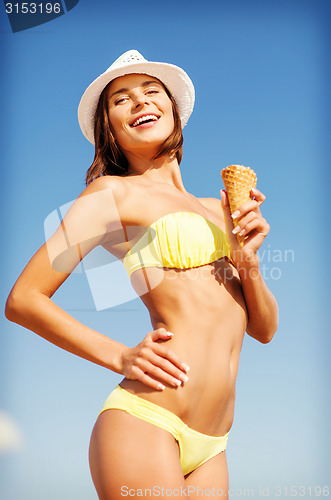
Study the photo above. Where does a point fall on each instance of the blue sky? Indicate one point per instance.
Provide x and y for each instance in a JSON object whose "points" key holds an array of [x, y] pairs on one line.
{"points": [[260, 74]]}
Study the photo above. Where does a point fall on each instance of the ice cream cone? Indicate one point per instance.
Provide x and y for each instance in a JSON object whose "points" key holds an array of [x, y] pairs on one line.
{"points": [[238, 181]]}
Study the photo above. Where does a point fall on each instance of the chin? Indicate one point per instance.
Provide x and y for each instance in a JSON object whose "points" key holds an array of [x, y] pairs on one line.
{"points": [[147, 142]]}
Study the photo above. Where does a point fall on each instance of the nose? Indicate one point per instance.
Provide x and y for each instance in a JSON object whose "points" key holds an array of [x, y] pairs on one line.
{"points": [[140, 100]]}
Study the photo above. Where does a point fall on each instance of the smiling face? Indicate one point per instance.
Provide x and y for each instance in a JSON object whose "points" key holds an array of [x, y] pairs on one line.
{"points": [[140, 113]]}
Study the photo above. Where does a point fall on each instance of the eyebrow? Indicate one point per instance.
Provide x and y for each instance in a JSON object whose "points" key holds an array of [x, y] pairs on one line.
{"points": [[144, 84]]}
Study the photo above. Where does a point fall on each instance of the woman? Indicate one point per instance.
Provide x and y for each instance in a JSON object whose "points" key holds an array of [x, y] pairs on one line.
{"points": [[166, 425]]}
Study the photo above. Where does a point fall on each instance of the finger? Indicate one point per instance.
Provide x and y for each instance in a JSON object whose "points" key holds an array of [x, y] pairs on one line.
{"points": [[228, 220], [159, 334], [162, 333], [226, 208], [162, 368], [224, 198], [257, 200], [258, 196], [254, 240], [249, 206], [259, 225], [149, 381], [244, 221], [167, 354], [163, 375]]}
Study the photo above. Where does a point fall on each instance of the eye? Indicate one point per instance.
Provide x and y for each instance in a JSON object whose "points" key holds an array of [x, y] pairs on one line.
{"points": [[152, 91], [120, 100]]}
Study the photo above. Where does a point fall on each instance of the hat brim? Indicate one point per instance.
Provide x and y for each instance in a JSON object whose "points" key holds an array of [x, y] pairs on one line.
{"points": [[173, 77]]}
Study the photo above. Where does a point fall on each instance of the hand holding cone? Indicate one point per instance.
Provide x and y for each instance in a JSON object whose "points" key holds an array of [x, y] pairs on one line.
{"points": [[238, 182]]}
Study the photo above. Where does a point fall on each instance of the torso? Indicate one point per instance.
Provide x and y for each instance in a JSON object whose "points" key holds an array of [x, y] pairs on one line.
{"points": [[203, 307]]}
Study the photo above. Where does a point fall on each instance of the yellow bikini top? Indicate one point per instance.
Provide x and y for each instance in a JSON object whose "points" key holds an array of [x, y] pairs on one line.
{"points": [[178, 240]]}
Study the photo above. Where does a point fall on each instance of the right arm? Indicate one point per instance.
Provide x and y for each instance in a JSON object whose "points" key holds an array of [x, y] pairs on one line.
{"points": [[29, 303]]}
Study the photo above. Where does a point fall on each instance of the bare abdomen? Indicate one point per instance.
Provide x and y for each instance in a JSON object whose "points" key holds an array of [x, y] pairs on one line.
{"points": [[208, 319]]}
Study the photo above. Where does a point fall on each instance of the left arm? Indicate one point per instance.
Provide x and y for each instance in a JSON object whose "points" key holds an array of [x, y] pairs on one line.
{"points": [[261, 305]]}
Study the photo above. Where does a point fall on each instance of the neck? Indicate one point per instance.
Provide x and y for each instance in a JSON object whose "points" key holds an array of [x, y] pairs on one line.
{"points": [[163, 170]]}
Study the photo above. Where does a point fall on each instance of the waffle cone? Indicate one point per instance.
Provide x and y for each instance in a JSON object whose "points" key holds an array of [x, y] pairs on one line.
{"points": [[238, 182]]}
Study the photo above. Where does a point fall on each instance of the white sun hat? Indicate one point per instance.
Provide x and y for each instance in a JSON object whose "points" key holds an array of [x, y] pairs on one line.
{"points": [[174, 78]]}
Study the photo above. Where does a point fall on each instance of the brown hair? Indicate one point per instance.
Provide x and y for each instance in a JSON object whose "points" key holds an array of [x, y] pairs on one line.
{"points": [[109, 158]]}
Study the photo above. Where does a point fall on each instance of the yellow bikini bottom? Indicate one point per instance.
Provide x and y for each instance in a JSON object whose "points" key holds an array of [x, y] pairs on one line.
{"points": [[195, 448]]}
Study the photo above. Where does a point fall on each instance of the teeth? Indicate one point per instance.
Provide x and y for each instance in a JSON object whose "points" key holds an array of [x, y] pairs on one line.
{"points": [[143, 119]]}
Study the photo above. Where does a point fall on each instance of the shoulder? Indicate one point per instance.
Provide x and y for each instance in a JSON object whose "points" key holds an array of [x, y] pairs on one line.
{"points": [[213, 204], [99, 204], [108, 189], [117, 185]]}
